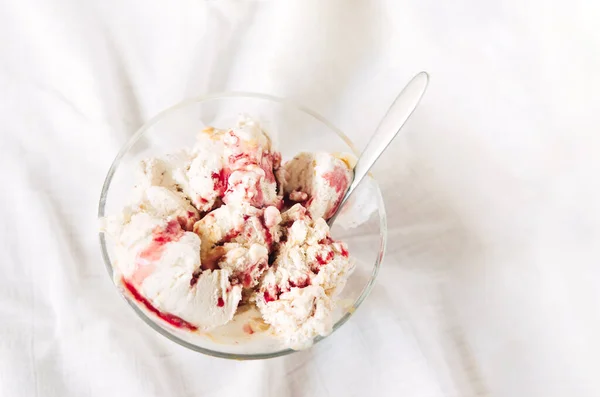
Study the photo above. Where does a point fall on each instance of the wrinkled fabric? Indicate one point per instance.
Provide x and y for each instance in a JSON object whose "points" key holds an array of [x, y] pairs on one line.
{"points": [[489, 285]]}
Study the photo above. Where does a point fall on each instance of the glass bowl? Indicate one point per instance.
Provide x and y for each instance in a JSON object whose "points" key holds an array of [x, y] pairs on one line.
{"points": [[293, 129]]}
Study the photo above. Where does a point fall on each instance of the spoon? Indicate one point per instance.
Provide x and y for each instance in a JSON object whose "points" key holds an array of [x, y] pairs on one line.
{"points": [[391, 124]]}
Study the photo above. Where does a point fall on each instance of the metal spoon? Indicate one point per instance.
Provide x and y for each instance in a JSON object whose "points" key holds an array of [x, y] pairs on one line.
{"points": [[388, 128]]}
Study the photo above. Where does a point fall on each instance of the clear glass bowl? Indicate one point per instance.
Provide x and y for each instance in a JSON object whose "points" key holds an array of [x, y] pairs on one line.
{"points": [[293, 129]]}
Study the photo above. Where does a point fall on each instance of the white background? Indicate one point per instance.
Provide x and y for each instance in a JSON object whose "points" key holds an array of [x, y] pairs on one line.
{"points": [[491, 282]]}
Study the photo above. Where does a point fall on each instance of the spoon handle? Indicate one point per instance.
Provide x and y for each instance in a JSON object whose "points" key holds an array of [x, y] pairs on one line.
{"points": [[388, 128]]}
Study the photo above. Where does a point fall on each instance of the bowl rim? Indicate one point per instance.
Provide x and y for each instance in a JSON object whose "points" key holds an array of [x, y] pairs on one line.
{"points": [[220, 95]]}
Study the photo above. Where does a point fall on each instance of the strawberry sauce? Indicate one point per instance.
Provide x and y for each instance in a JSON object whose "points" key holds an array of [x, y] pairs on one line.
{"points": [[220, 181], [160, 238], [175, 321], [337, 179]]}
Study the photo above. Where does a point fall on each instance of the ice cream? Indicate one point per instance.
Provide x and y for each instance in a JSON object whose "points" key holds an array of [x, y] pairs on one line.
{"points": [[223, 225], [318, 181], [295, 295]]}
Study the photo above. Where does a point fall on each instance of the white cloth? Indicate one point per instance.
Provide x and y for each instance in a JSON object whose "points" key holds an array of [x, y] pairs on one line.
{"points": [[490, 283]]}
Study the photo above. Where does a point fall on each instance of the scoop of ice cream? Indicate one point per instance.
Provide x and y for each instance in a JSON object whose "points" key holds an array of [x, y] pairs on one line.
{"points": [[167, 273], [317, 180], [159, 263], [195, 174], [236, 166], [307, 258], [250, 164]]}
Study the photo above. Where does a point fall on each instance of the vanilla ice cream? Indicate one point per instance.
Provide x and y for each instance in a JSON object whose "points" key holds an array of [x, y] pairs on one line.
{"points": [[318, 181], [224, 225]]}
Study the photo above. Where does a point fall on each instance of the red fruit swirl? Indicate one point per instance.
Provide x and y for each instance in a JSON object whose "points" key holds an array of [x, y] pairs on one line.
{"points": [[169, 318], [161, 237]]}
